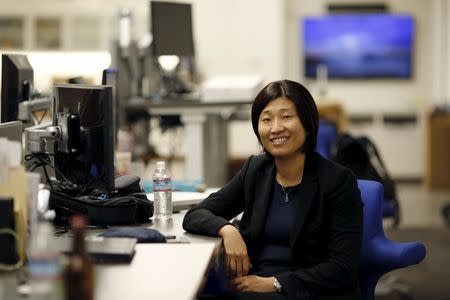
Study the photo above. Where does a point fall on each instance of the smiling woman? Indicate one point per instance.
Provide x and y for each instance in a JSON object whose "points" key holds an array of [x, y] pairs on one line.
{"points": [[301, 227]]}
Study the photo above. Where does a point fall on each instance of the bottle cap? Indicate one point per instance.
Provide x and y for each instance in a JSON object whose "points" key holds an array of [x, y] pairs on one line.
{"points": [[78, 221], [161, 164]]}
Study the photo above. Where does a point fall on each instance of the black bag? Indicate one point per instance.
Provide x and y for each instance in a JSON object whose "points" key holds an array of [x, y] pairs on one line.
{"points": [[127, 205], [361, 156]]}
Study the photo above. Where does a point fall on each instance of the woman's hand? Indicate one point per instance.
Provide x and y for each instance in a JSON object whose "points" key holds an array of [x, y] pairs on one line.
{"points": [[253, 283], [236, 257]]}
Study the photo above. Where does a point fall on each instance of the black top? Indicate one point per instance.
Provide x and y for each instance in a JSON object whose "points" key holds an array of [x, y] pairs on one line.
{"points": [[275, 256], [326, 237]]}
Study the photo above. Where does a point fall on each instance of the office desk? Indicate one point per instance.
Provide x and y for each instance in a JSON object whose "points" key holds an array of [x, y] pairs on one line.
{"points": [[206, 135], [158, 271]]}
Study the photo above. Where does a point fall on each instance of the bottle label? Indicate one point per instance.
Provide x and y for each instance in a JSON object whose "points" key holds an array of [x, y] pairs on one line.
{"points": [[162, 185], [44, 267]]}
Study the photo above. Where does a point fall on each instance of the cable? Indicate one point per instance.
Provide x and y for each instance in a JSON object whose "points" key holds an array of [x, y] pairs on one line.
{"points": [[43, 160]]}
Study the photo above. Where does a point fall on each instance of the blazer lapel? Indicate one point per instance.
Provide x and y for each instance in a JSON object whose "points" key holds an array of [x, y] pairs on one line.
{"points": [[263, 196], [310, 186]]}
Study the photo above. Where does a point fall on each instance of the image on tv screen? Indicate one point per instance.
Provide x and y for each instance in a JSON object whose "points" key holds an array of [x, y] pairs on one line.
{"points": [[359, 46]]}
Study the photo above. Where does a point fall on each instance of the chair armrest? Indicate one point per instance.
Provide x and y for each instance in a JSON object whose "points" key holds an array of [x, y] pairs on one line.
{"points": [[396, 254]]}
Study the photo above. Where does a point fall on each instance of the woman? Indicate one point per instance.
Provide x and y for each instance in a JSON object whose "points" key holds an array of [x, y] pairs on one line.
{"points": [[301, 229]]}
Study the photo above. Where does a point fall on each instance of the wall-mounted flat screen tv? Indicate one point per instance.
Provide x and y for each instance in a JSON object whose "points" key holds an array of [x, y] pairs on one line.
{"points": [[359, 45]]}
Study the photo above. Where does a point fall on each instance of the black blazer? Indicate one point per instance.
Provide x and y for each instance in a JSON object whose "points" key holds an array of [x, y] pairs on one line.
{"points": [[326, 238]]}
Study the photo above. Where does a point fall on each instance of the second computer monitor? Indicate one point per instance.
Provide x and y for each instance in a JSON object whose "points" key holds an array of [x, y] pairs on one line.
{"points": [[85, 153], [171, 28], [17, 85]]}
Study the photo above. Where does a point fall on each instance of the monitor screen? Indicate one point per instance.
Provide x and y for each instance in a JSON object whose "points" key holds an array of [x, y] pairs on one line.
{"points": [[359, 45], [171, 28], [17, 85], [85, 154]]}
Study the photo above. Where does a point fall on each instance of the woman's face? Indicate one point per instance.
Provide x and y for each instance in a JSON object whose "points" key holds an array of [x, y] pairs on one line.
{"points": [[280, 130]]}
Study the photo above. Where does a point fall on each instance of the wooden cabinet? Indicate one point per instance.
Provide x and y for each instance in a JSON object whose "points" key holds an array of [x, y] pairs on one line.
{"points": [[438, 151]]}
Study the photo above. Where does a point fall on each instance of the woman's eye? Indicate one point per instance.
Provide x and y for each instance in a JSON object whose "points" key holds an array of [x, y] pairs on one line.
{"points": [[265, 120], [287, 117]]}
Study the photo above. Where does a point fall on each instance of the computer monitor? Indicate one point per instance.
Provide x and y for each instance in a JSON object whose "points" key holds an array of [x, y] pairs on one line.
{"points": [[110, 76], [85, 154], [17, 85], [171, 28]]}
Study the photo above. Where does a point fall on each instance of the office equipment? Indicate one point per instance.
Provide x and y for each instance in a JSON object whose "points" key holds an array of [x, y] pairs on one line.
{"points": [[231, 88], [85, 154], [110, 76], [380, 255], [171, 26], [351, 46], [102, 249], [17, 85], [173, 45]]}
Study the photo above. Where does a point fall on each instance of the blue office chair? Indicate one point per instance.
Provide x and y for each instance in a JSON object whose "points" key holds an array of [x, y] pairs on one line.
{"points": [[380, 255], [325, 136]]}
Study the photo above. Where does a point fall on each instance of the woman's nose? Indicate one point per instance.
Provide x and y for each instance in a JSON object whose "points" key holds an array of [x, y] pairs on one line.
{"points": [[277, 125]]}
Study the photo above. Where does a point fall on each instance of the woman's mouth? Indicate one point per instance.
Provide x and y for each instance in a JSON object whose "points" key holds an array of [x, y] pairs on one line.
{"points": [[278, 140]]}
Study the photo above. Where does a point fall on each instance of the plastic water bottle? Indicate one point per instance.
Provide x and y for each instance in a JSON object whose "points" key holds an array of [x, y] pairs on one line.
{"points": [[162, 192], [44, 266]]}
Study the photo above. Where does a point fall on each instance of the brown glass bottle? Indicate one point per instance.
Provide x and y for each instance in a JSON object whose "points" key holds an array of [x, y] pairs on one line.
{"points": [[79, 272]]}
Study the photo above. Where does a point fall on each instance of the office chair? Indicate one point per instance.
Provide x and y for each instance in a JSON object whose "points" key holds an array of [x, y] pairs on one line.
{"points": [[326, 135], [379, 254]]}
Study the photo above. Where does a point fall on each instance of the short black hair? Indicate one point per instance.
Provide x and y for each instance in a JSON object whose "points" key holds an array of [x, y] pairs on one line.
{"points": [[304, 104]]}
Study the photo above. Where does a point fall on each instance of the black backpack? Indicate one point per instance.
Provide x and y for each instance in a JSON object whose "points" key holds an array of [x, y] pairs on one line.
{"points": [[361, 156]]}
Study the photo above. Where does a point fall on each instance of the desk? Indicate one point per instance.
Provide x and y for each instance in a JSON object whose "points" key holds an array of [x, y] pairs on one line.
{"points": [[158, 271], [206, 133]]}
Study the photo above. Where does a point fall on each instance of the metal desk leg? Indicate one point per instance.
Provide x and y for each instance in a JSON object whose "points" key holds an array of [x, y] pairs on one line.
{"points": [[194, 163]]}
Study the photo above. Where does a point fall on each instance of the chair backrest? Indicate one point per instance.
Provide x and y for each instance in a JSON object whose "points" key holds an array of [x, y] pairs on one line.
{"points": [[326, 135], [372, 196]]}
